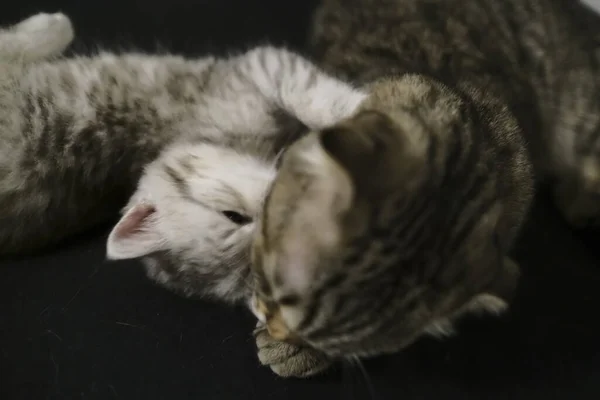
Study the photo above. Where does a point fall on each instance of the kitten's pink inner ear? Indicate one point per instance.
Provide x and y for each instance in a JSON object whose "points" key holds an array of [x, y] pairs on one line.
{"points": [[135, 235], [128, 226]]}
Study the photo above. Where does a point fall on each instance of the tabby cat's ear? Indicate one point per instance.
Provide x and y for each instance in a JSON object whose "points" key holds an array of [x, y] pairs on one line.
{"points": [[373, 150], [359, 141], [135, 235]]}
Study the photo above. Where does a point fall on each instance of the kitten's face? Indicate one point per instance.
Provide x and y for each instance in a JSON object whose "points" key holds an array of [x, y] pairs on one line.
{"points": [[335, 262], [192, 217]]}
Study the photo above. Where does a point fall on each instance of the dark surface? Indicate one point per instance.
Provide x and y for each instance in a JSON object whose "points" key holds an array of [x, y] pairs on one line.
{"points": [[73, 326]]}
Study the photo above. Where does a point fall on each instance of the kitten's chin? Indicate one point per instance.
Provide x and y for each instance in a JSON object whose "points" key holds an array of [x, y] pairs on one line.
{"points": [[187, 280]]}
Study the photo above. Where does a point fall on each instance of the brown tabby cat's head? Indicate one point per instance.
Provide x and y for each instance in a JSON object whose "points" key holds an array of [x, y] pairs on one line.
{"points": [[357, 253]]}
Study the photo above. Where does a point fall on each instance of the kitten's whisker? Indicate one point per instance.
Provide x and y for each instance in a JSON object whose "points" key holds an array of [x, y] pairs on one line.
{"points": [[365, 376], [347, 378], [355, 364]]}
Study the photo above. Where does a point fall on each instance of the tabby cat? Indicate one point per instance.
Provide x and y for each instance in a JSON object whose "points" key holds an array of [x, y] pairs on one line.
{"points": [[399, 219], [75, 133]]}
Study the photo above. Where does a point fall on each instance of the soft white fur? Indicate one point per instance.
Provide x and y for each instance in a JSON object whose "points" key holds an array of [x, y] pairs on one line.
{"points": [[180, 223], [316, 106], [195, 228]]}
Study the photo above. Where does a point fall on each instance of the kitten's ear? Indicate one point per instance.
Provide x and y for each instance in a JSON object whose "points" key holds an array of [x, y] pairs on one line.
{"points": [[358, 141], [135, 235]]}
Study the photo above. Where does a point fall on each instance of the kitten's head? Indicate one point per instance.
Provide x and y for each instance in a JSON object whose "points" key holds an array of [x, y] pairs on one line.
{"points": [[192, 217], [356, 254]]}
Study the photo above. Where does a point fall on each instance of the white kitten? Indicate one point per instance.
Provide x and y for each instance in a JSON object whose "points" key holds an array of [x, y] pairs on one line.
{"points": [[192, 216]]}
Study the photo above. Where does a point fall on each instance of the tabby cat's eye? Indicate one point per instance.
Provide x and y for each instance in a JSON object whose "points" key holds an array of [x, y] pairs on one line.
{"points": [[237, 218]]}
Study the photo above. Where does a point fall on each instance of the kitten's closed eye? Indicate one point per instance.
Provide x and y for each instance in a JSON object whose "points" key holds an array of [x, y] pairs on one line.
{"points": [[236, 217]]}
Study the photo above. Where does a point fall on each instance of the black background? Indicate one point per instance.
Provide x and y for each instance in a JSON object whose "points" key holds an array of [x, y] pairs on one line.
{"points": [[73, 326]]}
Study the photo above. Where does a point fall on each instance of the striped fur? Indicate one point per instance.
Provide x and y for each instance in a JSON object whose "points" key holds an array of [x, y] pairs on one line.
{"points": [[393, 222], [399, 220], [76, 133], [541, 57]]}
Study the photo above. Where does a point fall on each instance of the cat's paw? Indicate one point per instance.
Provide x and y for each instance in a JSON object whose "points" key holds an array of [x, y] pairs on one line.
{"points": [[288, 360], [56, 24], [44, 35]]}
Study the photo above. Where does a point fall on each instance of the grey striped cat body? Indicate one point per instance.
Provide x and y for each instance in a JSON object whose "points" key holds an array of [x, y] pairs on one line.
{"points": [[540, 57], [398, 220], [76, 133], [389, 225]]}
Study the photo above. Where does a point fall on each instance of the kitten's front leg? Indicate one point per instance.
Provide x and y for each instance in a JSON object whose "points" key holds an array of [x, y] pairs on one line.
{"points": [[288, 360]]}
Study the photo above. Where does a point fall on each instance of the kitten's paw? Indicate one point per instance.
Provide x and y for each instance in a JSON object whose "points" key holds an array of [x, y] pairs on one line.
{"points": [[288, 360], [44, 35]]}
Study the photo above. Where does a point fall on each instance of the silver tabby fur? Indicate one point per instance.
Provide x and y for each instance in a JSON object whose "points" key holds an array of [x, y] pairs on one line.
{"points": [[76, 133]]}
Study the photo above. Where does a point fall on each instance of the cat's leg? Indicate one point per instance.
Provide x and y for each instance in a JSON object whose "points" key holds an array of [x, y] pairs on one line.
{"points": [[35, 38], [288, 360]]}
